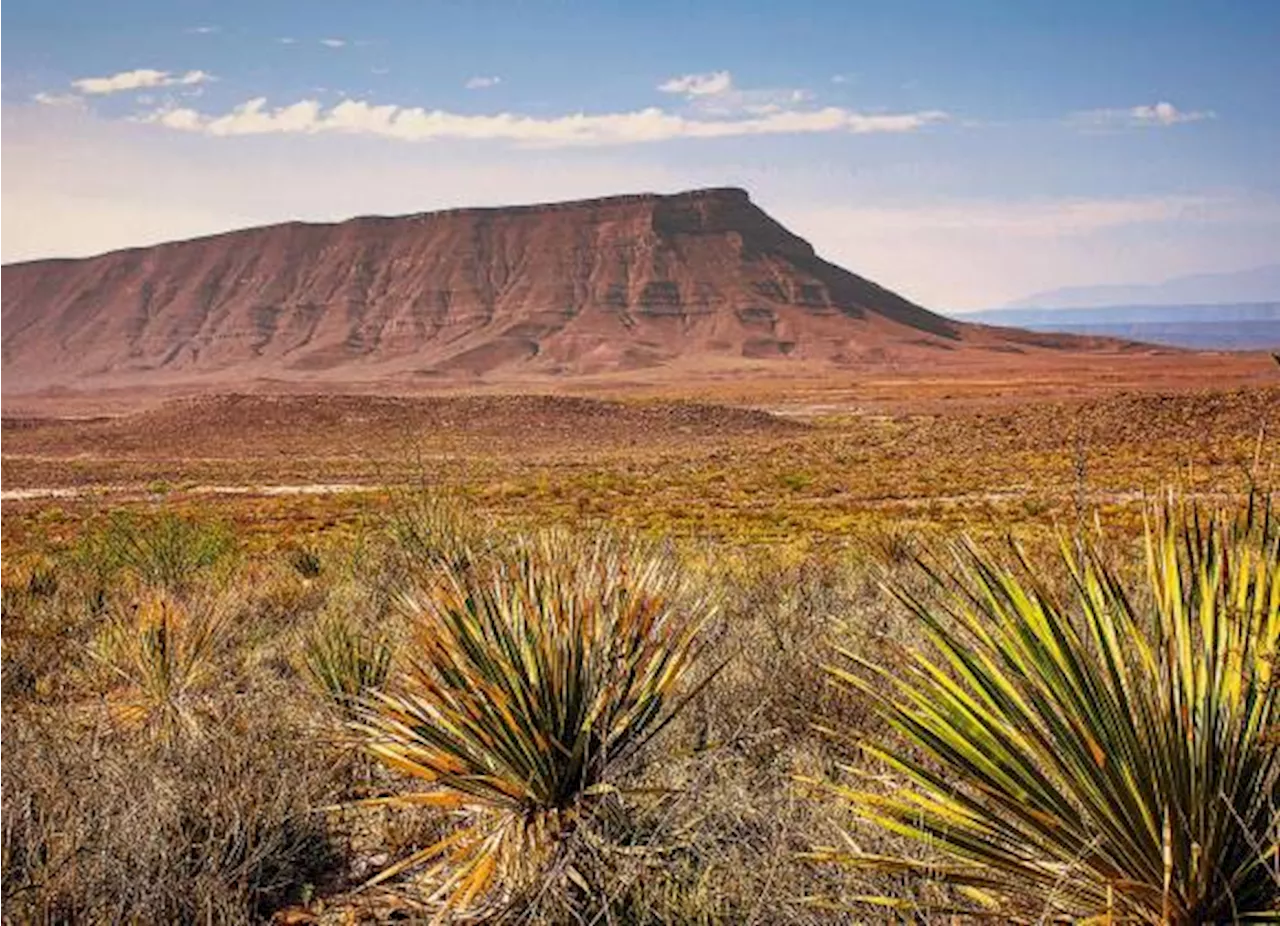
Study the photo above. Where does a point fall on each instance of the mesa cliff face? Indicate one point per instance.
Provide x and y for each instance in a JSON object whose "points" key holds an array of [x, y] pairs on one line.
{"points": [[586, 287]]}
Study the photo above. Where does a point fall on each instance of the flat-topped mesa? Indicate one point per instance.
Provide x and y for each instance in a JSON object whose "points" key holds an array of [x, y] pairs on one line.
{"points": [[713, 210], [727, 195], [586, 287]]}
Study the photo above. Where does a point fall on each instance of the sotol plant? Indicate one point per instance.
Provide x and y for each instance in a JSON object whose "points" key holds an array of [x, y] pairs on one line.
{"points": [[534, 674], [1112, 759]]}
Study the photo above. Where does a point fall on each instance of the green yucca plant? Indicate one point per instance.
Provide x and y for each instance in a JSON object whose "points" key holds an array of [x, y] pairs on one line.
{"points": [[165, 551], [306, 562], [430, 531], [165, 653], [533, 675], [1112, 759], [344, 663]]}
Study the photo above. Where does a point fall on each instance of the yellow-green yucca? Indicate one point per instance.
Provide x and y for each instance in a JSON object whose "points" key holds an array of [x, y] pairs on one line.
{"points": [[533, 674], [1111, 757], [345, 663], [164, 652]]}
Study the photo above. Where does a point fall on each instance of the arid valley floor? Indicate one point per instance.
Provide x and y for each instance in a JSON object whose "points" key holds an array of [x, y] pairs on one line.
{"points": [[288, 520], [814, 463]]}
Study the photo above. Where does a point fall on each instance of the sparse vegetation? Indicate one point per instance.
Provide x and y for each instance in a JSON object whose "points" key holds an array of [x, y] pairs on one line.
{"points": [[306, 561], [163, 550], [181, 670], [162, 656]]}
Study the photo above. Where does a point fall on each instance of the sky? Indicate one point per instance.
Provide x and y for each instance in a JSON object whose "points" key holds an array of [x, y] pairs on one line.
{"points": [[963, 154]]}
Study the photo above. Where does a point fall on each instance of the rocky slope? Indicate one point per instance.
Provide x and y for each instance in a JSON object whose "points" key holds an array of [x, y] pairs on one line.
{"points": [[589, 287]]}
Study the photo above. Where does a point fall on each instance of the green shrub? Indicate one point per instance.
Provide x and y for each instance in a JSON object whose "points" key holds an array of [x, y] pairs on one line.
{"points": [[306, 562], [429, 531], [42, 581], [165, 551]]}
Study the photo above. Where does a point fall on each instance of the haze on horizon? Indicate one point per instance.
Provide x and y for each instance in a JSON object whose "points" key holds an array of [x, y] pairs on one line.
{"points": [[965, 157]]}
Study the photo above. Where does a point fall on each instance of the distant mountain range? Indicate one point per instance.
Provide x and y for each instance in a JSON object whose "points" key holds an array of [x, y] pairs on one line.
{"points": [[1236, 326], [1210, 311], [1259, 285]]}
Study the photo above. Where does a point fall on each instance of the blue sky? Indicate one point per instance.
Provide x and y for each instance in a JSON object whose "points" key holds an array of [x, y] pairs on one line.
{"points": [[964, 154]]}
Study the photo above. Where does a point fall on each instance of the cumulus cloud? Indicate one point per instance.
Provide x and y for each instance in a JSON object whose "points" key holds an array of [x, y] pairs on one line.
{"points": [[203, 30], [1166, 114], [482, 83], [357, 117], [143, 78], [696, 85], [333, 43], [287, 40], [1155, 114]]}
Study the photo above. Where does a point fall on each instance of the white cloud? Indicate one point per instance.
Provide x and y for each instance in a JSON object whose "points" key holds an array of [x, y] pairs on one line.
{"points": [[287, 40], [115, 184], [333, 43], [751, 102], [1155, 114], [715, 94], [203, 30], [58, 99], [140, 79], [1166, 114], [839, 78], [695, 85], [356, 117], [482, 83]]}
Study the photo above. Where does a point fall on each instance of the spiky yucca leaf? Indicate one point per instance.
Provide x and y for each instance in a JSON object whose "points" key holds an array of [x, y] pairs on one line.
{"points": [[164, 652], [345, 663], [533, 674], [1115, 757]]}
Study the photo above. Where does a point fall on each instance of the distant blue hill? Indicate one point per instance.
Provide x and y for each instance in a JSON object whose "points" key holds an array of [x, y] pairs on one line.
{"points": [[1238, 326], [1260, 284]]}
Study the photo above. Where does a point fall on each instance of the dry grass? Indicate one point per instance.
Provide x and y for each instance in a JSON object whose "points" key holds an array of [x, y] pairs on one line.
{"points": [[105, 820]]}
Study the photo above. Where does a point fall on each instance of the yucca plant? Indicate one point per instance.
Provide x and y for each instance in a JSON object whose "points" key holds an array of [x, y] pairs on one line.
{"points": [[344, 663], [534, 674], [306, 562], [165, 654], [165, 552], [1110, 757], [430, 531]]}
